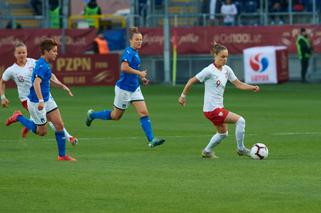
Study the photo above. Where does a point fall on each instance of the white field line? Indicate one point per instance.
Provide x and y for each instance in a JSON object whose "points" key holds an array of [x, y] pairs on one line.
{"points": [[168, 136]]}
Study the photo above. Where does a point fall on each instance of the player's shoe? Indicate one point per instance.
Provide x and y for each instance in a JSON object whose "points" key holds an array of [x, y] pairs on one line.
{"points": [[156, 142], [66, 158], [209, 155], [73, 140], [89, 119], [244, 152], [24, 132], [13, 118]]}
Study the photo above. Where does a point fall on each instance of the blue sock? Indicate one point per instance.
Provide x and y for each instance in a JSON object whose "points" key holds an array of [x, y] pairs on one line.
{"points": [[61, 142], [103, 115], [147, 127], [29, 124]]}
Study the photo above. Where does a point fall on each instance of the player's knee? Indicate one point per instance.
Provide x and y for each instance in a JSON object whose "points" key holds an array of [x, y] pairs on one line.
{"points": [[143, 113], [116, 117], [42, 132], [224, 134], [241, 121]]}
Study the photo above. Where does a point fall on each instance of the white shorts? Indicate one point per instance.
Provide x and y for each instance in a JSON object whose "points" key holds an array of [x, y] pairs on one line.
{"points": [[40, 116], [123, 97]]}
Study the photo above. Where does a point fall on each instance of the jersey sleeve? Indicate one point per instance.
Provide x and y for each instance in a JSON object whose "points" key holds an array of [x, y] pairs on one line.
{"points": [[40, 71], [203, 75], [231, 76], [127, 56], [7, 74]]}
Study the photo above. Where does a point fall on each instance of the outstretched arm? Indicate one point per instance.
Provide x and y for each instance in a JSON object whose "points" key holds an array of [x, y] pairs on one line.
{"points": [[54, 80], [243, 86], [4, 101], [182, 98]]}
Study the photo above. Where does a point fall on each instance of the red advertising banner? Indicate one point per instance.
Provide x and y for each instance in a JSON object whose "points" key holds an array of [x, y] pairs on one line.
{"points": [[79, 69], [87, 69], [76, 40], [198, 40]]}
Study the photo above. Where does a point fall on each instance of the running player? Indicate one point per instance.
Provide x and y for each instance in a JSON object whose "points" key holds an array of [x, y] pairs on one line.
{"points": [[215, 77], [127, 90], [40, 103], [20, 72]]}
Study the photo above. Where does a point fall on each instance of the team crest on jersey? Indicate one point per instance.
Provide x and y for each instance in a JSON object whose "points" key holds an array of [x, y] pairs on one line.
{"points": [[220, 114], [20, 78]]}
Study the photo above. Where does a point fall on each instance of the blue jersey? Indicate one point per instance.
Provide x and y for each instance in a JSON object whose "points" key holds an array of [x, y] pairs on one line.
{"points": [[128, 81], [43, 71]]}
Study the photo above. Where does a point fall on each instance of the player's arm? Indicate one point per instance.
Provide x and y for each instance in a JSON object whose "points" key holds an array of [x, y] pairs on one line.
{"points": [[36, 85], [189, 84], [4, 101], [126, 68], [243, 86], [55, 81]]}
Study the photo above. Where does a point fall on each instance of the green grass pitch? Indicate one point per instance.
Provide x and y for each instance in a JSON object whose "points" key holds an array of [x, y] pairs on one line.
{"points": [[117, 172]]}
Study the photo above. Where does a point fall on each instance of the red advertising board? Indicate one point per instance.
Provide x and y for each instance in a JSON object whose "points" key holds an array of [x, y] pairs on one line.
{"points": [[198, 40], [76, 40], [79, 69]]}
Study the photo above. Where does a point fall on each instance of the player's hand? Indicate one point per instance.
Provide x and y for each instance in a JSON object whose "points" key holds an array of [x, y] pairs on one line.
{"points": [[145, 81], [67, 90], [143, 74], [256, 88], [5, 103], [41, 105], [182, 100]]}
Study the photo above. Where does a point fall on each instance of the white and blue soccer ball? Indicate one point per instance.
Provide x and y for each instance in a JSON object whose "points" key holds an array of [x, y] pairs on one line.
{"points": [[259, 151]]}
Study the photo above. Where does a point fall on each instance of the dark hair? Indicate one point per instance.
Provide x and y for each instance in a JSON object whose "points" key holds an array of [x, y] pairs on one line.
{"points": [[217, 48], [19, 44], [302, 30], [132, 31], [47, 44]]}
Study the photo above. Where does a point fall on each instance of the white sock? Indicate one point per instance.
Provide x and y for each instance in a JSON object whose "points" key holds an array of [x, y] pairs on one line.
{"points": [[54, 129], [215, 140], [239, 133]]}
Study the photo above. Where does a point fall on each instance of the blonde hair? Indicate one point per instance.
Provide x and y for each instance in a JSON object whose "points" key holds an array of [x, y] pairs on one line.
{"points": [[19, 44], [217, 48], [132, 31]]}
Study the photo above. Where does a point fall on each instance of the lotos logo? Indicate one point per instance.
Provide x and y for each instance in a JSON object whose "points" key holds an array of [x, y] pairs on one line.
{"points": [[259, 63]]}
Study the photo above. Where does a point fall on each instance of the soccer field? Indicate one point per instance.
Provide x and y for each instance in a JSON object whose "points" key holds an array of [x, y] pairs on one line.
{"points": [[117, 172]]}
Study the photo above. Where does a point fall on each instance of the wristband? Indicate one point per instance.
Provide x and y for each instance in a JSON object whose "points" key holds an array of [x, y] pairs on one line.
{"points": [[3, 97], [41, 100], [183, 95]]}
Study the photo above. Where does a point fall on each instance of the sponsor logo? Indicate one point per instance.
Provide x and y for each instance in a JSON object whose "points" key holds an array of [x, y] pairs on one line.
{"points": [[259, 63]]}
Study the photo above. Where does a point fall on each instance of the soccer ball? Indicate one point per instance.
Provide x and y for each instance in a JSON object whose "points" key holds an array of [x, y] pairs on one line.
{"points": [[259, 151]]}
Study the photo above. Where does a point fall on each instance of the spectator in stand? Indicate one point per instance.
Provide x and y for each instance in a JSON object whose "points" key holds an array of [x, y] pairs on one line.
{"points": [[37, 7], [54, 14], [278, 6], [91, 9], [297, 6], [229, 11], [101, 44]]}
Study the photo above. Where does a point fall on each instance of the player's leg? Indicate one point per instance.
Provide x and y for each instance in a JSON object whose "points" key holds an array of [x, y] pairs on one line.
{"points": [[239, 122], [145, 123], [24, 130], [121, 102], [55, 117], [217, 138]]}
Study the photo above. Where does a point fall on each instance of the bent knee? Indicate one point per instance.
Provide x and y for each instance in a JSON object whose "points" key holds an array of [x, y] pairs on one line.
{"points": [[41, 133], [241, 121], [224, 134], [143, 113]]}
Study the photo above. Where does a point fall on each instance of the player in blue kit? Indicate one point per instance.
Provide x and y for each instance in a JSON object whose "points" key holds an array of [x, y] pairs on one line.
{"points": [[127, 90], [40, 103]]}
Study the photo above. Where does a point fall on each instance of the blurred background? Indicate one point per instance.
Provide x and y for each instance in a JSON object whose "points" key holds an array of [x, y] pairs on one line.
{"points": [[177, 34]]}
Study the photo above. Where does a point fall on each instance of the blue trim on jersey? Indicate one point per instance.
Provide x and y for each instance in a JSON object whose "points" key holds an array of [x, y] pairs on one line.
{"points": [[42, 70], [128, 81]]}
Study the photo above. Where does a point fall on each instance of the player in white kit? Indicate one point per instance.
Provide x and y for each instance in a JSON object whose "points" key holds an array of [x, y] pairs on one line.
{"points": [[215, 77], [20, 72]]}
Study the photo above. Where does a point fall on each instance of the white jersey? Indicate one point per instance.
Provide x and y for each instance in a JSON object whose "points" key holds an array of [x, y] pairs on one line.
{"points": [[21, 76], [215, 81]]}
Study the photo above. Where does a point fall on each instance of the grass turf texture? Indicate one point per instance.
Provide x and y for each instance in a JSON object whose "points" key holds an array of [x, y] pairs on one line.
{"points": [[117, 172]]}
